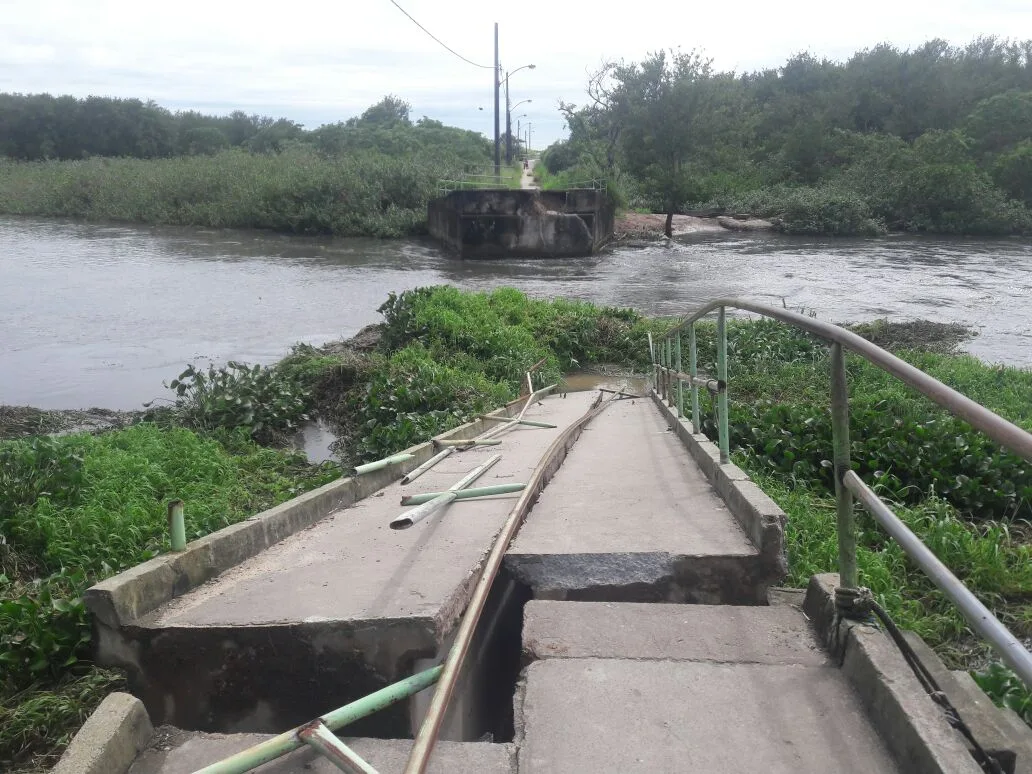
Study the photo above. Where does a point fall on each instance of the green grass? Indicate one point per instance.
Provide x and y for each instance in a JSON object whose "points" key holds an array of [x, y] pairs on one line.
{"points": [[298, 191], [76, 509]]}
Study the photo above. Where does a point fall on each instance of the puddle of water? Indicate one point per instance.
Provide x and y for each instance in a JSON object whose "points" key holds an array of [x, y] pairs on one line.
{"points": [[314, 439], [582, 381]]}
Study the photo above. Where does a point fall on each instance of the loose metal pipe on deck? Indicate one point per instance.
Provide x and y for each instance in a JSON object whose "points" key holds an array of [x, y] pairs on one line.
{"points": [[369, 467], [319, 737], [975, 613], [427, 736], [270, 749], [464, 494], [417, 472], [428, 508]]}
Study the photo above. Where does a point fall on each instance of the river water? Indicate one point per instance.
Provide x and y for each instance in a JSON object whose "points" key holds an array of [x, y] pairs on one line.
{"points": [[94, 315]]}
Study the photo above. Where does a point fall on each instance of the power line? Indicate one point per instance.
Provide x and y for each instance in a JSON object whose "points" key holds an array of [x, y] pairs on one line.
{"points": [[428, 32]]}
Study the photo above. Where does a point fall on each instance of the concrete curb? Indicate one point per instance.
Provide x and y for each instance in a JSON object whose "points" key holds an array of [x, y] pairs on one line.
{"points": [[108, 743], [760, 517], [912, 726], [142, 589]]}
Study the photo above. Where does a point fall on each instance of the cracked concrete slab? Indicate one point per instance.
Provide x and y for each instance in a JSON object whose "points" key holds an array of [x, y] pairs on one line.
{"points": [[631, 517], [333, 612], [679, 716], [746, 634]]}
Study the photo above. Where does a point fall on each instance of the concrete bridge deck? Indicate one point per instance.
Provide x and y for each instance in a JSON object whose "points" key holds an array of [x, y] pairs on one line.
{"points": [[593, 654]]}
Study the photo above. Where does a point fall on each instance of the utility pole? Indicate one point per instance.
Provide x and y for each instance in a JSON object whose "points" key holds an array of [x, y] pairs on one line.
{"points": [[530, 134], [495, 76], [508, 123]]}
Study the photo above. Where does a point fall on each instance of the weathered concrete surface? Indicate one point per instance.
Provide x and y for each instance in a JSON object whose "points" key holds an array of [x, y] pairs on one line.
{"points": [[139, 590], [669, 717], [110, 739], [178, 752], [331, 613], [488, 223], [630, 517], [760, 517], [720, 633], [912, 726]]}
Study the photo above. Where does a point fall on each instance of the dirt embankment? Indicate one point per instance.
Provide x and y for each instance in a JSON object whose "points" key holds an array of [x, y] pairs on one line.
{"points": [[637, 226], [21, 421]]}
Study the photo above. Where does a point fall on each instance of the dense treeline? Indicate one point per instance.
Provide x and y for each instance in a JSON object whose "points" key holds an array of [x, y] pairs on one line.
{"points": [[936, 139], [38, 127], [370, 175]]}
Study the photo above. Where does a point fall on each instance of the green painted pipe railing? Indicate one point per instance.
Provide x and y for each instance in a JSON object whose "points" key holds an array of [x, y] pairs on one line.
{"points": [[847, 483]]}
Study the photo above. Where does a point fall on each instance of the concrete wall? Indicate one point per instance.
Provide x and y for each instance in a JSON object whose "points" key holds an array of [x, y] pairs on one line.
{"points": [[527, 223]]}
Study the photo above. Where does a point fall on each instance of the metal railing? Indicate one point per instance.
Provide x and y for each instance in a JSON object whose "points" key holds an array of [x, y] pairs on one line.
{"points": [[670, 378]]}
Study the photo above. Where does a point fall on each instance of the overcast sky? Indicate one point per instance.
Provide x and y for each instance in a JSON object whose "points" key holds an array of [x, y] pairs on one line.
{"points": [[319, 62]]}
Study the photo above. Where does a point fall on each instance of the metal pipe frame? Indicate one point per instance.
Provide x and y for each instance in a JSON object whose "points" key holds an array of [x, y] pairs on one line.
{"points": [[713, 385], [319, 737], [847, 483], [270, 749], [680, 382], [1005, 433], [975, 613]]}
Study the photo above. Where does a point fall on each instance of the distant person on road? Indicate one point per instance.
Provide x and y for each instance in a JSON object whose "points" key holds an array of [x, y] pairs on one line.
{"points": [[525, 165]]}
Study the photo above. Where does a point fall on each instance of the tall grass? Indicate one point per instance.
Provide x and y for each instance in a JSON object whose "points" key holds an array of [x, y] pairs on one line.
{"points": [[298, 191]]}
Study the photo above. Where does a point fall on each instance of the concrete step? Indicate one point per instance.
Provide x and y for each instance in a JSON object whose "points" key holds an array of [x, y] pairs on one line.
{"points": [[676, 688], [333, 612], [778, 634], [183, 752], [631, 517]]}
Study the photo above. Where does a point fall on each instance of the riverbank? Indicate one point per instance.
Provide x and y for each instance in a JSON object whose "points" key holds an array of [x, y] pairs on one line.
{"points": [[637, 227], [439, 357]]}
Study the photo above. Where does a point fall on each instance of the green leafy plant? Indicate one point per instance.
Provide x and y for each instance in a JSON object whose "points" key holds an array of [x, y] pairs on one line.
{"points": [[1004, 687], [258, 398]]}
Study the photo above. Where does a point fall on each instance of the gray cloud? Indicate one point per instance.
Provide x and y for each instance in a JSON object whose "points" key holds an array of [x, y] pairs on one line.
{"points": [[317, 61]]}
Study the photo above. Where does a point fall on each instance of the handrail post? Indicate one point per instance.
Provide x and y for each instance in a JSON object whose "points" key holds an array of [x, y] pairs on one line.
{"points": [[693, 370], [662, 370], [670, 379], [843, 497], [725, 447], [680, 384]]}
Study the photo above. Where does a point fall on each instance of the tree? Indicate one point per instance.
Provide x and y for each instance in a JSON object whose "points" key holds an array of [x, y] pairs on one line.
{"points": [[661, 108]]}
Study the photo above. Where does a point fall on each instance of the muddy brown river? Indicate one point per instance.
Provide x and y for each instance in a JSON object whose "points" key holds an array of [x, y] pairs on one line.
{"points": [[94, 315]]}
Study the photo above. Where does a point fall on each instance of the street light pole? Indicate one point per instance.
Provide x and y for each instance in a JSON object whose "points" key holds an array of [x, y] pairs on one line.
{"points": [[508, 112], [496, 76]]}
